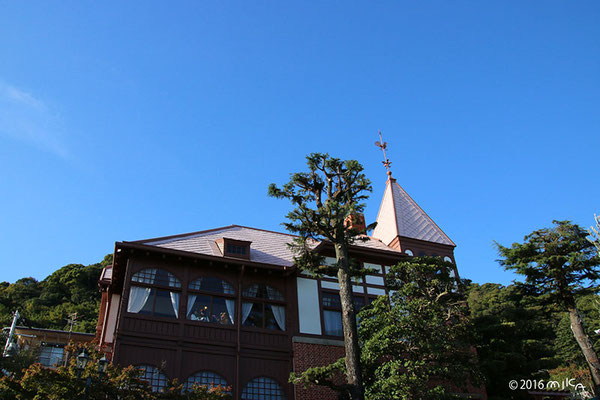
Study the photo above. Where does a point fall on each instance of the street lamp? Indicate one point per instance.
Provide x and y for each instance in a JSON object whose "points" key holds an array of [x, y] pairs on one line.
{"points": [[82, 360], [102, 364]]}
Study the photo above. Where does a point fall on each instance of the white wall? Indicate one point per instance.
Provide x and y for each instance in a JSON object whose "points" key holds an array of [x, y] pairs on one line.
{"points": [[111, 322], [309, 314]]}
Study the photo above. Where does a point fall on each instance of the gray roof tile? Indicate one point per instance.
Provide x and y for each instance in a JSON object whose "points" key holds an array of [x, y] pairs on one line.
{"points": [[267, 247]]}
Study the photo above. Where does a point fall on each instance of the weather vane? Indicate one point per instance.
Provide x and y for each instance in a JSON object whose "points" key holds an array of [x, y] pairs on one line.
{"points": [[383, 145]]}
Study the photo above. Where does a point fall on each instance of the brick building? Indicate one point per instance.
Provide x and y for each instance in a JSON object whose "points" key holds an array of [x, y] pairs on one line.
{"points": [[227, 305]]}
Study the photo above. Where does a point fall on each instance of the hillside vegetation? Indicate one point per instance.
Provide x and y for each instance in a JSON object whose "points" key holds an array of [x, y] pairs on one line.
{"points": [[48, 303]]}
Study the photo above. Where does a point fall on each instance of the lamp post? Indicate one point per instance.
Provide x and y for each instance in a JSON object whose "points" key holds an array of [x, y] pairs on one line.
{"points": [[82, 362]]}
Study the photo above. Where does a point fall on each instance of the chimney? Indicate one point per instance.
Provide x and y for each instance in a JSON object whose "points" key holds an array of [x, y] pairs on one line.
{"points": [[356, 222]]}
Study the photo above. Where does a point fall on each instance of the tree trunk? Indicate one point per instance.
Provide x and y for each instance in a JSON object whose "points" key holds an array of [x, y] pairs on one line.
{"points": [[591, 357], [353, 371]]}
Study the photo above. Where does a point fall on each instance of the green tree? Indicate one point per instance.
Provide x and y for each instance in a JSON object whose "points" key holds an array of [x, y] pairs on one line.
{"points": [[324, 198], [15, 364], [68, 383], [595, 233], [514, 336], [416, 345], [560, 265], [565, 346], [48, 304], [575, 375]]}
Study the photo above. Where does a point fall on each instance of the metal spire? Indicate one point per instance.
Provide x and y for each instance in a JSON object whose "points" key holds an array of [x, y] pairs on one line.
{"points": [[383, 145]]}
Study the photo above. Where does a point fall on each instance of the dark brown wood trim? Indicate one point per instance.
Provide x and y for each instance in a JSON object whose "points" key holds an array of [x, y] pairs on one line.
{"points": [[238, 329], [198, 256]]}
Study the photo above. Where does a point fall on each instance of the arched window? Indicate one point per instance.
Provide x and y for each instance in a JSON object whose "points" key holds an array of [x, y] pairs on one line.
{"points": [[263, 388], [408, 252], [211, 300], [153, 376], [263, 307], [154, 292], [207, 378], [447, 259]]}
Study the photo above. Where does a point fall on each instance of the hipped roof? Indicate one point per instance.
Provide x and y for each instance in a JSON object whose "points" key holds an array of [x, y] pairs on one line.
{"points": [[267, 247]]}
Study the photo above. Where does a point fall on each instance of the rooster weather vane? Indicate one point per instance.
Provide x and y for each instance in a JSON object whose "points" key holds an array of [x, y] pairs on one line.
{"points": [[383, 145]]}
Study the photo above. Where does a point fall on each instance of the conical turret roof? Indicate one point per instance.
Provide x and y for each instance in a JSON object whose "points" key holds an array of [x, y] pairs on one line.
{"points": [[400, 215]]}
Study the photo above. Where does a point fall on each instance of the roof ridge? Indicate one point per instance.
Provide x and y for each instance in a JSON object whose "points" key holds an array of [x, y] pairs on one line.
{"points": [[265, 230], [180, 235], [184, 235]]}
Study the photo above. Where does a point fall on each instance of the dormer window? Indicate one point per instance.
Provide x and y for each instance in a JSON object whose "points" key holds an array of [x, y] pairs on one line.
{"points": [[234, 248]]}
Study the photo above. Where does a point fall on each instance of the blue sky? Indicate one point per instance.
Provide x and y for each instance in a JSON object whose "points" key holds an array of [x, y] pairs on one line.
{"points": [[129, 120]]}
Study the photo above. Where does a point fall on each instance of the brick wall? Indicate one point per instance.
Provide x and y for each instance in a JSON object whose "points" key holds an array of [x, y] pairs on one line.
{"points": [[313, 355]]}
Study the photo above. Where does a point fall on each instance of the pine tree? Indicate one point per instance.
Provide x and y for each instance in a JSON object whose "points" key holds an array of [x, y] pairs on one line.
{"points": [[595, 233], [417, 344], [560, 265], [324, 198]]}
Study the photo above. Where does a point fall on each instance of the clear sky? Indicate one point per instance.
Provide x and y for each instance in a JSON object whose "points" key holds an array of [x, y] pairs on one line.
{"points": [[130, 120]]}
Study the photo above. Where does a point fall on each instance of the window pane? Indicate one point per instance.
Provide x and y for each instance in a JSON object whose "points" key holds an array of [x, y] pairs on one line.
{"points": [[273, 294], [255, 314], [140, 300], [359, 302], [251, 291], [154, 276], [333, 323], [154, 377], [51, 356], [262, 291], [149, 303], [167, 304], [278, 312], [166, 278], [270, 322], [331, 300], [236, 249], [212, 284], [145, 276], [208, 379], [263, 388], [199, 310], [223, 311]]}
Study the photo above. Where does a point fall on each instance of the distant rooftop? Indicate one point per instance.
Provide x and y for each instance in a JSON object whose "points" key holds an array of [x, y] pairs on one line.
{"points": [[52, 331]]}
